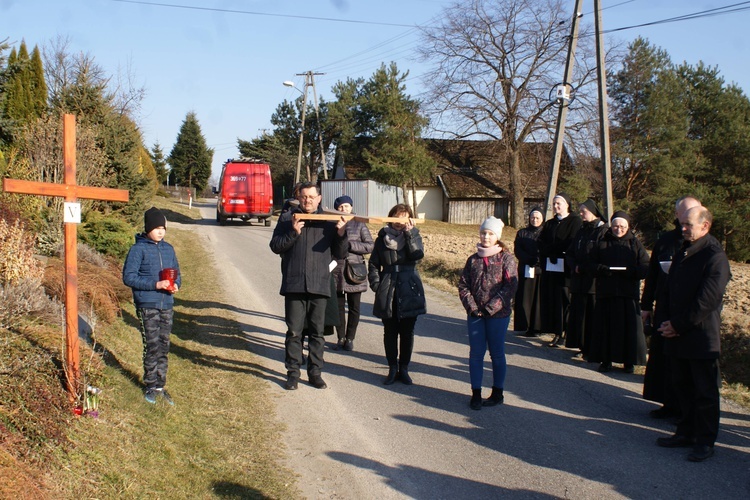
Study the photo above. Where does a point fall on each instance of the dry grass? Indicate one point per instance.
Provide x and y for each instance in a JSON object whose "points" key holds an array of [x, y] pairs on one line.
{"points": [[220, 439]]}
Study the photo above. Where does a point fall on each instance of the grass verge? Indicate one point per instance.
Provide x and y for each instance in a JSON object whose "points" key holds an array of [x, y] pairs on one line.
{"points": [[221, 439]]}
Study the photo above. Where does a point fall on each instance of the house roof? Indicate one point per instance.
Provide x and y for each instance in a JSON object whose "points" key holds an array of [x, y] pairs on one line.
{"points": [[480, 169]]}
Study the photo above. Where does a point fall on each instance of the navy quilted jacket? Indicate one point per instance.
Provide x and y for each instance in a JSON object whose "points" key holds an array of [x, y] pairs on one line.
{"points": [[141, 272]]}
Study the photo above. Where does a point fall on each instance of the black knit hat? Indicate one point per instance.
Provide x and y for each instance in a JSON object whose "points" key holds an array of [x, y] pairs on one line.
{"points": [[591, 206], [153, 219]]}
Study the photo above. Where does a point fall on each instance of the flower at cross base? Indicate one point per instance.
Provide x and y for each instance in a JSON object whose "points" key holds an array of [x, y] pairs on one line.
{"points": [[91, 403]]}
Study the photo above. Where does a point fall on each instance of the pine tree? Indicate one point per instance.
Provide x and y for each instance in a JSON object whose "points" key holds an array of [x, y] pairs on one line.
{"points": [[160, 163], [38, 84], [190, 158]]}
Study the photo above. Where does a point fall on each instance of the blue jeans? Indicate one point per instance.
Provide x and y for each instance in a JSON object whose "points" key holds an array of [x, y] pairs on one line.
{"points": [[487, 333]]}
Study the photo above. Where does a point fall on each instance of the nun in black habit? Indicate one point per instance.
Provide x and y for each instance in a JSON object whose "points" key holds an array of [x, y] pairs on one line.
{"points": [[527, 309]]}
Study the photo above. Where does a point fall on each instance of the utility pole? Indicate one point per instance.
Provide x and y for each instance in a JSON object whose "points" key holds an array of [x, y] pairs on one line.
{"points": [[601, 78], [301, 136], [563, 96], [563, 99], [320, 129], [309, 82]]}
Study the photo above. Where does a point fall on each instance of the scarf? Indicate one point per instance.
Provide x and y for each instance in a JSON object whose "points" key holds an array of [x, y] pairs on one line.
{"points": [[393, 239], [488, 252]]}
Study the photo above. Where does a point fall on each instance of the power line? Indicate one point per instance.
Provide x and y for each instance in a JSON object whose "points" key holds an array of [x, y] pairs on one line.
{"points": [[252, 13]]}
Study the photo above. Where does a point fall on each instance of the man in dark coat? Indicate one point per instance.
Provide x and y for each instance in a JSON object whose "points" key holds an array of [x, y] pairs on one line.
{"points": [[307, 249], [657, 382], [697, 280]]}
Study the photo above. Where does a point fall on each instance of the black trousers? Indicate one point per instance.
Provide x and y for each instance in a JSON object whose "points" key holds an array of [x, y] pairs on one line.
{"points": [[304, 311], [697, 383], [156, 326], [393, 329], [348, 328]]}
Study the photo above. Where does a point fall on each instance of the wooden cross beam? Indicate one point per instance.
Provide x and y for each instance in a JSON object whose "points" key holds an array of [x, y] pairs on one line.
{"points": [[361, 218], [71, 192]]}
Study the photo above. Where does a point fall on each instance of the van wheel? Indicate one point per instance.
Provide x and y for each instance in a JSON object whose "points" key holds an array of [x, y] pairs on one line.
{"points": [[221, 220], [267, 222]]}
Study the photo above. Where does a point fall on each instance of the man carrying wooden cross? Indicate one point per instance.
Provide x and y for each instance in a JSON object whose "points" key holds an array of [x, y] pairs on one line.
{"points": [[307, 248]]}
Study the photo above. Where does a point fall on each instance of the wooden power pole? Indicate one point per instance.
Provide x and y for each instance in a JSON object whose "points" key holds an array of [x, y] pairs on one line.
{"points": [[563, 97]]}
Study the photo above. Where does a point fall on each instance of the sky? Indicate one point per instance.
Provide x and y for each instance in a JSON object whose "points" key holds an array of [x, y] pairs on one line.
{"points": [[226, 60]]}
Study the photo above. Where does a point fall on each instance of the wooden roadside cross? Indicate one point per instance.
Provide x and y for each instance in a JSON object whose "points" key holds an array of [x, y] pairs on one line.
{"points": [[71, 192]]}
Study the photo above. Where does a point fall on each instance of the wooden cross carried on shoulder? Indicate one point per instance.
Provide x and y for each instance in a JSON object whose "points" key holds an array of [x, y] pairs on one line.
{"points": [[71, 192]]}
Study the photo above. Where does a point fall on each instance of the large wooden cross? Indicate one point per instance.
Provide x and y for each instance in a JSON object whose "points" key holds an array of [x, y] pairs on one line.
{"points": [[71, 192]]}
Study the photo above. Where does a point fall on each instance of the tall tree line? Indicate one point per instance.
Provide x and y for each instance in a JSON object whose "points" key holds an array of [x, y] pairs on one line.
{"points": [[35, 91], [680, 130]]}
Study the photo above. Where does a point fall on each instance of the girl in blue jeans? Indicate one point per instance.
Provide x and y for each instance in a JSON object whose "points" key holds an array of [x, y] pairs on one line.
{"points": [[486, 289]]}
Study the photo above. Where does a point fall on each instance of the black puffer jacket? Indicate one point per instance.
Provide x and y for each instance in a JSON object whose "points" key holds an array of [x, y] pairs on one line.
{"points": [[695, 291], [393, 274], [306, 257]]}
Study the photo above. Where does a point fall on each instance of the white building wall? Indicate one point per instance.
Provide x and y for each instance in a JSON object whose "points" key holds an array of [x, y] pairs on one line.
{"points": [[429, 202]]}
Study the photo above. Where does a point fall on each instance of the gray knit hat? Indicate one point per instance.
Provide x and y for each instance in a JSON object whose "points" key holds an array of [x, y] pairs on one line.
{"points": [[493, 224]]}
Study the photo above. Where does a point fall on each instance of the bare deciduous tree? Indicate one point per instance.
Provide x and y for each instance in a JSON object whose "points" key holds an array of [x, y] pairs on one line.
{"points": [[494, 65]]}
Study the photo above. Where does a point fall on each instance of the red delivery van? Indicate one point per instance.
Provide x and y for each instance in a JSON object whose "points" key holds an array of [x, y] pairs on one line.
{"points": [[245, 192]]}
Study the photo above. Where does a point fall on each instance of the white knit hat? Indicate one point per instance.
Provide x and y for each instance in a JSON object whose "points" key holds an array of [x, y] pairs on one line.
{"points": [[494, 225]]}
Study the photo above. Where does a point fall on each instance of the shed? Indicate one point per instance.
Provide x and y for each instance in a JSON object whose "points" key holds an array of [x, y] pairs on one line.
{"points": [[370, 198]]}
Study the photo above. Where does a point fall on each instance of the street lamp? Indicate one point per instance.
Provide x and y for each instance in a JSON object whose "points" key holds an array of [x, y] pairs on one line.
{"points": [[289, 83]]}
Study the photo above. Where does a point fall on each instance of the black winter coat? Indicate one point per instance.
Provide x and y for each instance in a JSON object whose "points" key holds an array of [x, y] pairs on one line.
{"points": [[526, 247], [627, 252], [556, 236], [656, 280], [393, 275], [578, 256], [305, 257], [695, 291]]}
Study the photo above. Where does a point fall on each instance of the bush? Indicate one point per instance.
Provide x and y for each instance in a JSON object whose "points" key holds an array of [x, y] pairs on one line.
{"points": [[17, 261], [107, 234], [21, 299]]}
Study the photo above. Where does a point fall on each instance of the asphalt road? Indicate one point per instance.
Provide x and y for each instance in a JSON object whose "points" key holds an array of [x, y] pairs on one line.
{"points": [[564, 431]]}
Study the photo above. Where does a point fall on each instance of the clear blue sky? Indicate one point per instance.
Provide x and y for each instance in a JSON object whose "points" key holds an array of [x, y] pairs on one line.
{"points": [[226, 59]]}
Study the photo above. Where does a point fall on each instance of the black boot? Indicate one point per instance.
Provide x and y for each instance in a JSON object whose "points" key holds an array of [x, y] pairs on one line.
{"points": [[403, 374], [495, 398], [476, 399], [392, 375]]}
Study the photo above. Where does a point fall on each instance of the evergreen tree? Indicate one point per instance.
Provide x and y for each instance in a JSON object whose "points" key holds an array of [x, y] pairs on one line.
{"points": [[159, 162], [280, 157], [23, 92], [38, 85], [190, 158], [720, 128], [650, 148], [391, 118]]}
